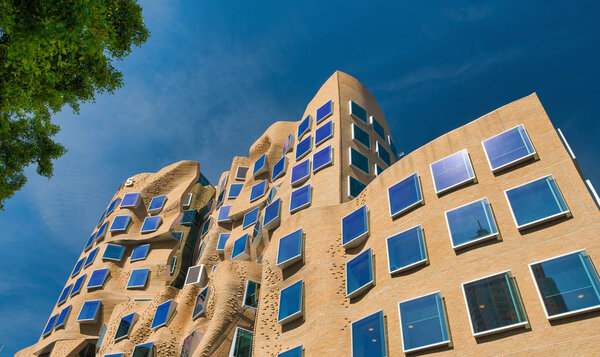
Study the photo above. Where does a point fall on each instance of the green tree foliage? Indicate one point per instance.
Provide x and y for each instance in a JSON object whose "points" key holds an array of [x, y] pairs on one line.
{"points": [[55, 53]]}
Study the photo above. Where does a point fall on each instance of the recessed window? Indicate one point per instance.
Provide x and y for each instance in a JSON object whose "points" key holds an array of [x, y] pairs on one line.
{"points": [[223, 216], [536, 202], [173, 265], [567, 284], [89, 311], [234, 190], [290, 303], [405, 195], [368, 336], [361, 136], [382, 153], [61, 321], [205, 227], [423, 323], [187, 200], [300, 198], [77, 267], [272, 216], [289, 250], [260, 166], [125, 326], [251, 294], [90, 259], [222, 241], [163, 313], [64, 295], [113, 252], [240, 173], [120, 223], [359, 161], [304, 126], [151, 224], [393, 148], [189, 216], [200, 304], [294, 352], [508, 148], [101, 232], [355, 227], [303, 147], [131, 200], [358, 112], [323, 133], [240, 248], [250, 218], [471, 223], [77, 285], [144, 350], [324, 111], [49, 325], [300, 172], [140, 253], [359, 273], [258, 190], [279, 168], [138, 278], [377, 128], [196, 276], [406, 250], [288, 145], [322, 159], [452, 171], [90, 241], [241, 346], [378, 170], [355, 187], [157, 204], [97, 278], [221, 197]]}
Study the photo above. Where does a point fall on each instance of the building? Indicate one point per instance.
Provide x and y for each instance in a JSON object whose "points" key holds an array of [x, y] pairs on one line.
{"points": [[325, 241]]}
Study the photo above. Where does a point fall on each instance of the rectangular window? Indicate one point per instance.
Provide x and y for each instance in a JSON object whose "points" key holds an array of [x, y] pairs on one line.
{"points": [[89, 311], [300, 172], [359, 274], [250, 218], [177, 235], [223, 237], [536, 202], [90, 259], [377, 128], [452, 171], [368, 336], [200, 304], [189, 217], [49, 325], [111, 207], [140, 253], [300, 198], [272, 215], [355, 227], [567, 284], [151, 224], [78, 284], [251, 294], [258, 190], [98, 278], [64, 295], [78, 267], [289, 250], [288, 145], [144, 350], [241, 346], [260, 166], [113, 252], [406, 250], [120, 223], [324, 111], [355, 187], [62, 318], [323, 133], [223, 216], [423, 323], [125, 326], [393, 148], [234, 190], [101, 232], [382, 153], [196, 275], [303, 147], [273, 193], [359, 161], [279, 168], [494, 304], [187, 200], [378, 170], [358, 112], [361, 136], [240, 248], [471, 223], [508, 148], [138, 278], [90, 241], [322, 158], [240, 173], [205, 227], [290, 303], [304, 126], [405, 195], [157, 204], [294, 352], [131, 200], [163, 313]]}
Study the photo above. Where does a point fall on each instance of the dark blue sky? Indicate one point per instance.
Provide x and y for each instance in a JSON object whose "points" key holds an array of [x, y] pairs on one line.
{"points": [[214, 76]]}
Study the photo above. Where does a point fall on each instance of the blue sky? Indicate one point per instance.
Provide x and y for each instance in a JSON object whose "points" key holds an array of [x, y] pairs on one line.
{"points": [[214, 75]]}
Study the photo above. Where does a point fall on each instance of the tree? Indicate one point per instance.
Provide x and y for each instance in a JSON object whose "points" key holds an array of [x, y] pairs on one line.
{"points": [[55, 53]]}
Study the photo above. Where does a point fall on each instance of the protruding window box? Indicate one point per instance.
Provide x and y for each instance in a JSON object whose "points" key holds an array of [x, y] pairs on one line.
{"points": [[359, 161], [187, 200], [234, 190], [223, 237], [98, 278], [368, 336], [113, 252], [49, 325], [300, 198], [151, 224], [120, 224], [290, 249], [322, 159], [279, 168], [272, 216], [258, 190], [288, 145], [405, 195], [300, 173], [163, 313], [196, 276], [303, 147], [139, 252], [144, 350], [291, 303], [323, 133], [90, 259], [508, 149], [355, 187], [156, 204], [201, 302], [138, 279], [355, 227], [361, 137], [251, 294], [240, 248], [452, 171], [260, 166], [359, 274], [406, 250], [471, 224], [240, 173], [223, 216], [250, 218], [241, 346], [423, 323], [324, 111], [131, 200], [357, 112], [125, 326], [61, 321], [304, 126], [89, 312], [293, 352]]}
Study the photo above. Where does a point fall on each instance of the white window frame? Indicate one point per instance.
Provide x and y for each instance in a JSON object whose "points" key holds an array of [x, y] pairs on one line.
{"points": [[290, 261], [458, 184], [221, 251], [348, 192], [356, 240], [92, 320], [245, 292], [127, 286], [361, 289], [133, 321], [237, 173], [304, 178], [475, 241], [113, 259], [514, 162], [275, 221], [304, 205], [283, 171], [354, 166], [263, 169], [326, 116], [413, 205], [308, 117], [172, 308], [187, 200], [200, 281], [366, 121], [385, 342], [264, 193], [325, 138], [228, 220], [353, 128], [157, 210], [309, 138], [327, 164], [235, 336], [297, 314], [412, 265], [120, 230], [151, 230], [245, 254]]}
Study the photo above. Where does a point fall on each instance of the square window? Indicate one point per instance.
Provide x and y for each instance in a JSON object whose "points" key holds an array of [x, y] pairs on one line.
{"points": [[113, 252], [49, 325], [378, 170], [61, 321], [97, 278], [300, 198], [452, 171], [234, 190], [91, 257], [120, 223], [300, 172], [471, 223], [405, 195], [368, 336], [144, 350], [138, 278], [272, 215], [359, 161], [241, 346], [163, 313], [260, 166], [258, 190], [279, 168], [304, 126], [240, 248], [157, 204], [187, 200], [294, 352], [111, 207], [151, 224], [125, 326], [200, 304], [361, 136], [508, 148], [89, 311], [288, 145], [140, 253], [251, 294], [406, 250], [289, 250], [355, 227], [359, 274], [324, 111], [393, 148], [64, 295], [290, 303], [189, 216], [323, 133], [90, 241], [382, 153], [303, 147], [322, 158], [223, 216], [250, 218], [131, 200], [196, 276], [567, 284], [78, 284], [377, 128], [355, 187], [78, 267], [101, 232], [423, 323], [536, 202], [240, 173], [358, 112], [494, 304], [222, 241]]}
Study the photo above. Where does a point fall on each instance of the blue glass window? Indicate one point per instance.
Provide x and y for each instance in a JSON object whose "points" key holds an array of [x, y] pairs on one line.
{"points": [[324, 111], [536, 202], [162, 314], [358, 112], [368, 336], [250, 218], [120, 223], [405, 195], [471, 223], [240, 248], [359, 161], [304, 126], [113, 252], [359, 273], [393, 148], [322, 159], [91, 257], [303, 147], [406, 250], [49, 325], [361, 136], [290, 303], [97, 278], [144, 350], [300, 198], [222, 241], [151, 224], [279, 168], [294, 352], [508, 148], [101, 231], [260, 165], [251, 294], [567, 284], [382, 153], [300, 172], [223, 216], [125, 326], [111, 207], [131, 200], [288, 145], [200, 304], [423, 323], [452, 171], [289, 250], [323, 133], [377, 128], [242, 343], [140, 253], [78, 267], [118, 354], [494, 304], [189, 217], [78, 284], [89, 311], [258, 190], [64, 295], [272, 193], [234, 190], [240, 173], [90, 241], [355, 227], [138, 278], [355, 187], [62, 318], [157, 204], [378, 170], [221, 197], [272, 215], [205, 227]]}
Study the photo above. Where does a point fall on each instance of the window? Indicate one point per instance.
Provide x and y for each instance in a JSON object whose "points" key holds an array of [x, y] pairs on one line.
{"points": [[273, 193], [355, 187], [49, 325], [189, 216], [260, 166], [289, 250], [78, 284], [118, 354], [423, 323], [355, 227], [221, 197], [223, 216], [471, 223], [157, 204], [279, 168], [251, 294], [173, 265], [250, 218], [452, 171], [406, 250], [234, 190], [131, 200], [294, 352], [361, 136], [300, 172], [120, 223], [378, 170], [536, 202], [125, 326], [177, 235], [358, 112], [196, 276], [567, 284], [101, 232], [138, 278], [382, 153], [78, 267], [494, 304], [300, 198], [140, 253], [377, 128], [405, 195], [205, 227], [111, 207], [288, 145], [61, 321], [324, 111], [240, 248], [322, 159], [257, 233], [240, 173], [97, 278], [64, 295], [368, 336], [90, 259], [290, 303], [241, 346], [304, 126], [393, 148], [303, 147], [508, 148], [359, 273], [359, 161], [272, 215], [113, 252], [200, 304], [89, 311], [151, 224], [163, 313], [222, 240], [323, 133], [90, 241], [187, 200], [144, 350], [258, 190]]}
